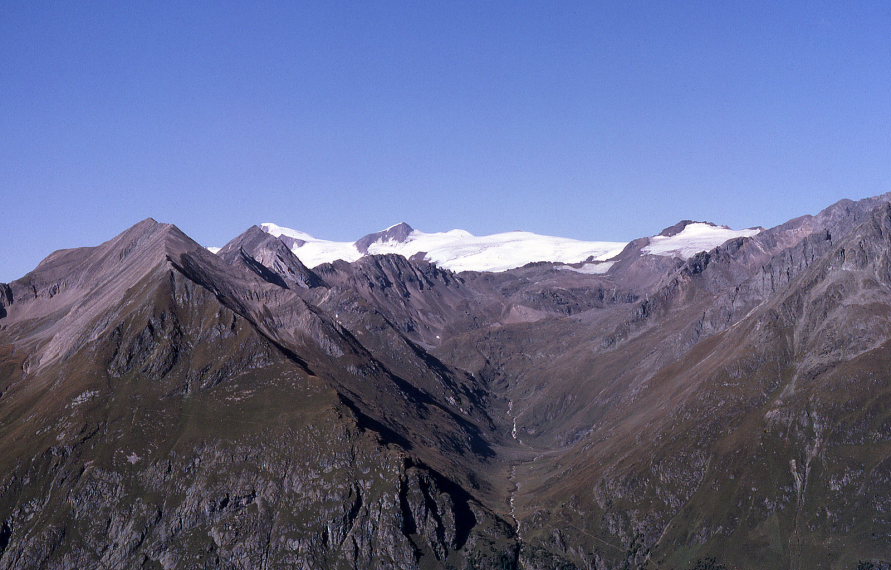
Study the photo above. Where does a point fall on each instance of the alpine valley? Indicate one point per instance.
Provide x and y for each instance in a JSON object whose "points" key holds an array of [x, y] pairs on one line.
{"points": [[703, 399]]}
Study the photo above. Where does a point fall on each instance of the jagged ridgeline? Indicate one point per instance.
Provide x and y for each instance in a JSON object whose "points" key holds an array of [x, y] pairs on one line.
{"points": [[666, 404]]}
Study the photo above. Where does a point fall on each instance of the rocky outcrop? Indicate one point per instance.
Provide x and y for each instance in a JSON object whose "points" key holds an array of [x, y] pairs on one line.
{"points": [[5, 298], [397, 233]]}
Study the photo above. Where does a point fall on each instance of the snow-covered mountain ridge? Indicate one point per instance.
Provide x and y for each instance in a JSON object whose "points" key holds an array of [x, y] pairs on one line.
{"points": [[459, 250], [693, 238]]}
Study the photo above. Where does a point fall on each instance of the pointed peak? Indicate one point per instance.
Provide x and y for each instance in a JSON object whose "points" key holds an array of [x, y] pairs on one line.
{"points": [[147, 222], [121, 260], [398, 233], [400, 227], [150, 234], [249, 240], [256, 230], [146, 227], [270, 257]]}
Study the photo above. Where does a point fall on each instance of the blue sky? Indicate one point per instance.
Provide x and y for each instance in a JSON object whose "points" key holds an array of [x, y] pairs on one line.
{"points": [[589, 120]]}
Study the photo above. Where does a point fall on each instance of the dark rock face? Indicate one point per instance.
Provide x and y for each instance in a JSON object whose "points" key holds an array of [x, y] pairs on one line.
{"points": [[291, 241], [397, 233], [677, 228], [164, 407], [5, 298]]}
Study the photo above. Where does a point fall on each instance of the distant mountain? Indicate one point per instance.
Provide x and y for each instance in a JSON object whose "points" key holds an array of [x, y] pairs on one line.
{"points": [[700, 399], [459, 250]]}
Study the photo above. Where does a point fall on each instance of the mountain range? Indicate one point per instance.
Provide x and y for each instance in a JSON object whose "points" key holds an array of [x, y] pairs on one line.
{"points": [[459, 250], [700, 399]]}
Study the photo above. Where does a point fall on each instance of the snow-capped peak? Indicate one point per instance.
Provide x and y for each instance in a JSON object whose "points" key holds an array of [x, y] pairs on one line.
{"points": [[693, 238], [399, 225], [400, 232]]}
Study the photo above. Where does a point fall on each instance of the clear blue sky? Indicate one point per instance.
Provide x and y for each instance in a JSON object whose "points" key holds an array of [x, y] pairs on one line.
{"points": [[591, 120]]}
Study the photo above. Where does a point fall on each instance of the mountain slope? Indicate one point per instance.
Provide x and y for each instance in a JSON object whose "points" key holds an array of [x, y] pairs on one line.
{"points": [[157, 447], [684, 439]]}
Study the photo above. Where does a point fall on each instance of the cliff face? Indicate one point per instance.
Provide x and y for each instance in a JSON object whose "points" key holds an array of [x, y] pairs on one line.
{"points": [[161, 406]]}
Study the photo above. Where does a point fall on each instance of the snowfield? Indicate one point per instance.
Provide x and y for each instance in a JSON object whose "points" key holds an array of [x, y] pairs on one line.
{"points": [[314, 251], [694, 238], [459, 250], [592, 268]]}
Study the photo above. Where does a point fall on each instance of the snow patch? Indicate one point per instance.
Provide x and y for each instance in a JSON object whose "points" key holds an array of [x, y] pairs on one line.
{"points": [[83, 397], [314, 251], [591, 268], [694, 238]]}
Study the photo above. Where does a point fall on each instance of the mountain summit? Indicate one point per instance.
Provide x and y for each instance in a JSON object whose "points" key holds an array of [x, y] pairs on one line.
{"points": [[400, 233]]}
